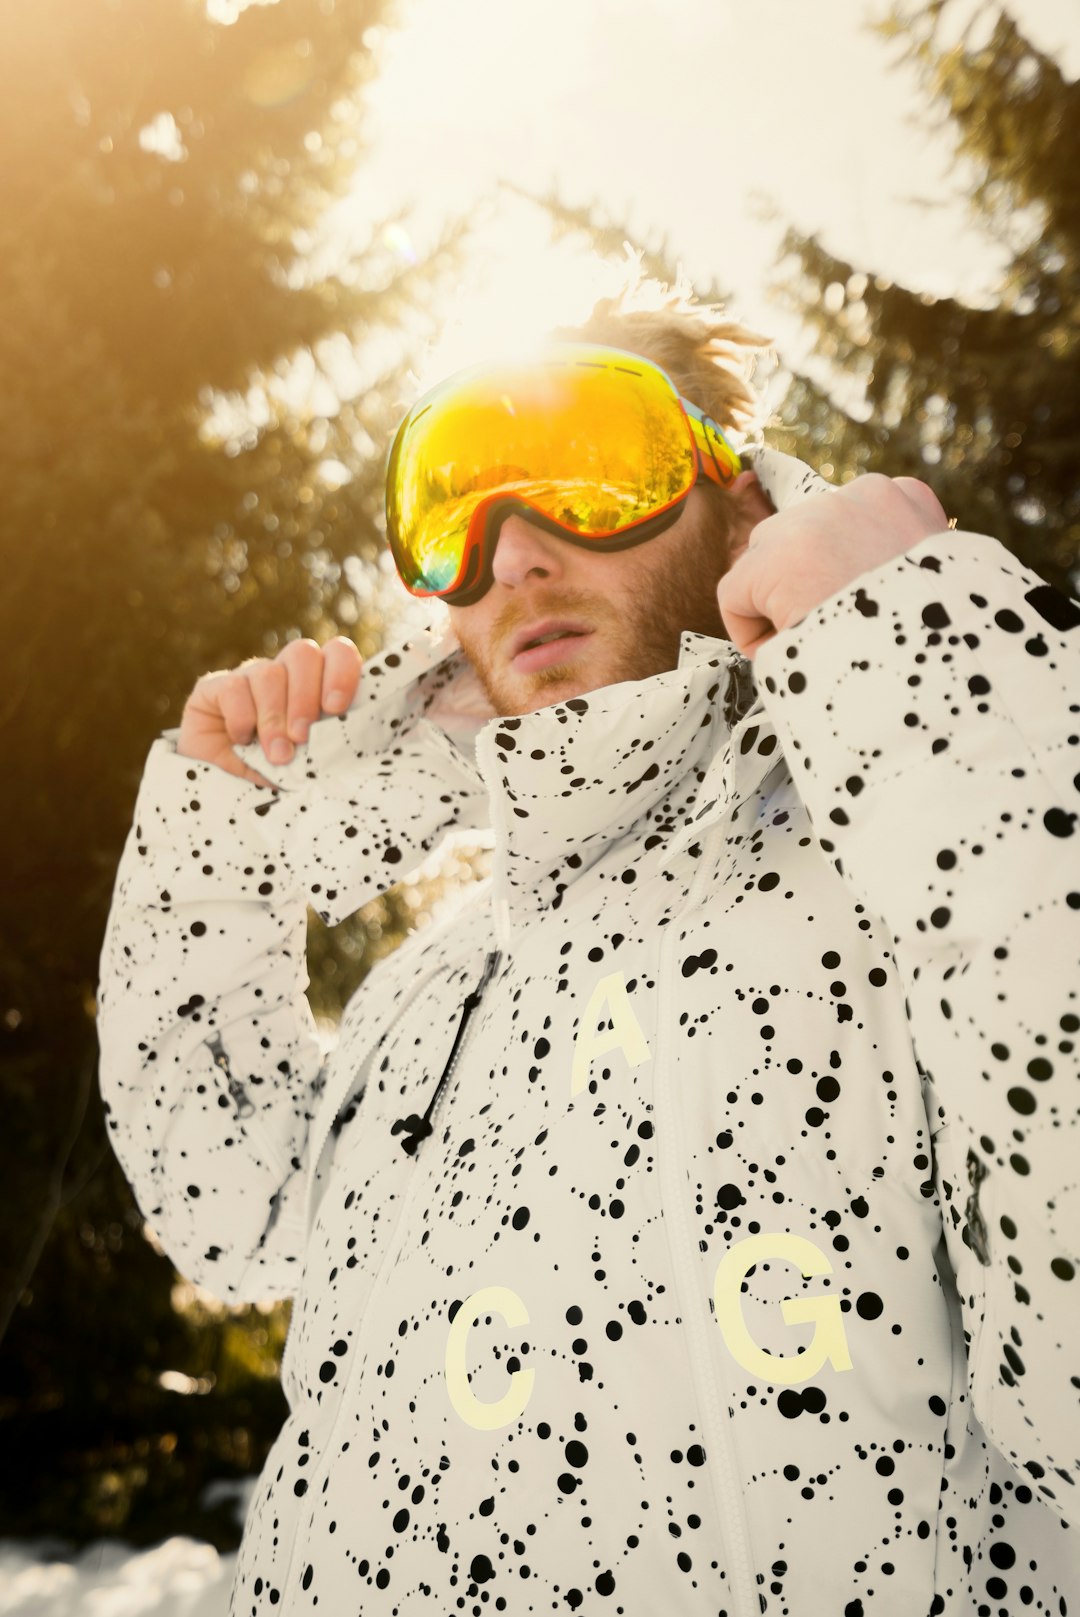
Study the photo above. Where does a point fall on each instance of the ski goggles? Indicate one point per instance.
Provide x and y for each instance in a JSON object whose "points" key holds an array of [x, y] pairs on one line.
{"points": [[592, 444]]}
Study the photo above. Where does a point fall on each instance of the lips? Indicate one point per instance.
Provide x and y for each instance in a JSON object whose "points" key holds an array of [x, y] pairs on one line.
{"points": [[544, 630], [560, 641]]}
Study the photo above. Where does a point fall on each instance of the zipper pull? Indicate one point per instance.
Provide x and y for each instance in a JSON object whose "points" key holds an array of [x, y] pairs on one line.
{"points": [[491, 966], [974, 1233], [245, 1106]]}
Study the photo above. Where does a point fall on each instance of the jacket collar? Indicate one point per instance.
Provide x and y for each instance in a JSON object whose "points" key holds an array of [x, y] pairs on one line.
{"points": [[565, 781], [562, 782], [555, 787]]}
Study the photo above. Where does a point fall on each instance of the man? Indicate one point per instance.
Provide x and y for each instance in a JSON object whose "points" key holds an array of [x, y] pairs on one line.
{"points": [[688, 1222]]}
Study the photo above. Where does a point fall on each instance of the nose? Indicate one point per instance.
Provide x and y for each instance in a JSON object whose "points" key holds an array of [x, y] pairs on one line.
{"points": [[523, 551]]}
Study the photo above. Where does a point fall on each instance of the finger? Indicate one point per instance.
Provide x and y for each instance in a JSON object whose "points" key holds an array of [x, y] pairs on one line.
{"points": [[237, 706], [341, 673], [225, 758], [747, 633], [253, 776], [896, 498], [270, 687], [924, 499], [761, 532], [219, 715], [303, 662], [745, 624]]}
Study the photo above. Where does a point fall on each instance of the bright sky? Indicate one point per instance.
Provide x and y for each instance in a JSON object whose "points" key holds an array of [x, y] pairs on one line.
{"points": [[682, 118]]}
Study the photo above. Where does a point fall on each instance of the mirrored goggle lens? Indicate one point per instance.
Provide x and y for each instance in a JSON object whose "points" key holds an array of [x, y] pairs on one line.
{"points": [[596, 444]]}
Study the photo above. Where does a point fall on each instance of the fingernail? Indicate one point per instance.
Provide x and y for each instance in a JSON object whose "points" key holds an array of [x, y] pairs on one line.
{"points": [[280, 751], [298, 729], [335, 699]]}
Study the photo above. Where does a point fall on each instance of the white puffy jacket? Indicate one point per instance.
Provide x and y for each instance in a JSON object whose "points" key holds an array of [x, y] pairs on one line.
{"points": [[725, 1263]]}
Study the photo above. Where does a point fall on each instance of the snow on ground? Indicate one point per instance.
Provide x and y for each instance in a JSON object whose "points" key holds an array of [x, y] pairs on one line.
{"points": [[178, 1578]]}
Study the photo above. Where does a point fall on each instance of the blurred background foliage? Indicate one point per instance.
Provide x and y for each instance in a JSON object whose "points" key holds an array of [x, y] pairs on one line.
{"points": [[982, 402], [158, 297], [193, 437]]}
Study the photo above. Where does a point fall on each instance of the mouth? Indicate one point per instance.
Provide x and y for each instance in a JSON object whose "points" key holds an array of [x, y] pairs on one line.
{"points": [[547, 643]]}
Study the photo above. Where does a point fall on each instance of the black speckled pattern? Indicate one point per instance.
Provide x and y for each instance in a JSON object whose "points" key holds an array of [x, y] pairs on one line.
{"points": [[737, 1275]]}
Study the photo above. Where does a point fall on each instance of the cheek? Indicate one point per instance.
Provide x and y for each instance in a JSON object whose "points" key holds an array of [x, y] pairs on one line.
{"points": [[664, 569], [465, 624]]}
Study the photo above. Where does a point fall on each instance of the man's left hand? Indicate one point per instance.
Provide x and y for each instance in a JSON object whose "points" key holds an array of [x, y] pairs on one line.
{"points": [[818, 546]]}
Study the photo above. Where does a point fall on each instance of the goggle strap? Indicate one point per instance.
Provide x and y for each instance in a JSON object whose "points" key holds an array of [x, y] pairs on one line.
{"points": [[718, 459]]}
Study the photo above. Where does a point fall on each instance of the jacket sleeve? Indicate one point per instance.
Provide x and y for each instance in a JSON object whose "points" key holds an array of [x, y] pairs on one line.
{"points": [[210, 1059], [930, 716], [211, 1066]]}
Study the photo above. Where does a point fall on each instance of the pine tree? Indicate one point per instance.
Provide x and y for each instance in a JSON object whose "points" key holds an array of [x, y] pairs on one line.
{"points": [[982, 403], [173, 503]]}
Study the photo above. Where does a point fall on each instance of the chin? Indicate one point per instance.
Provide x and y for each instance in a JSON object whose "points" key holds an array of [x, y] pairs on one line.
{"points": [[563, 681], [542, 693]]}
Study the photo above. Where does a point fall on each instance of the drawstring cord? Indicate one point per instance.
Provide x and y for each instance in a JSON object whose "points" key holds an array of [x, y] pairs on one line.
{"points": [[418, 1128]]}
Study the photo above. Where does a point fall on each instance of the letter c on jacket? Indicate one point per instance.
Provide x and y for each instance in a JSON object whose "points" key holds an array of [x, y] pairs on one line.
{"points": [[485, 1417], [829, 1342]]}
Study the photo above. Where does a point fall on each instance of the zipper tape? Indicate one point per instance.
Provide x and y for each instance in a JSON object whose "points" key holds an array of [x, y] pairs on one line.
{"points": [[698, 1321]]}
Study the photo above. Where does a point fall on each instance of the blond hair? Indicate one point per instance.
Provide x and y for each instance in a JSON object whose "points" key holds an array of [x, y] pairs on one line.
{"points": [[709, 357]]}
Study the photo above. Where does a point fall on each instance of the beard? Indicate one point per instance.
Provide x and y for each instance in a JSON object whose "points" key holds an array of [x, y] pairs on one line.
{"points": [[637, 627]]}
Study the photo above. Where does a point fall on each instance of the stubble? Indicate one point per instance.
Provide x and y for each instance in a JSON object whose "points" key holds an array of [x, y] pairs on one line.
{"points": [[637, 627]]}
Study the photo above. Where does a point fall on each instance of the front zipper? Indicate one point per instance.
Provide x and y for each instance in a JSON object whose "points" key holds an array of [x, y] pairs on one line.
{"points": [[699, 1322]]}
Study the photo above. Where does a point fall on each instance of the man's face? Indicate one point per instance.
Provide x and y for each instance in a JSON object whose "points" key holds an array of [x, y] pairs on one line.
{"points": [[628, 607]]}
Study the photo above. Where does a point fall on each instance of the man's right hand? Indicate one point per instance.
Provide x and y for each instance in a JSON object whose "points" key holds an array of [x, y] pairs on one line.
{"points": [[276, 700]]}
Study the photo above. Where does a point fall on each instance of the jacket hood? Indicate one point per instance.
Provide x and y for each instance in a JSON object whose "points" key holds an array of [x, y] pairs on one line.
{"points": [[553, 786]]}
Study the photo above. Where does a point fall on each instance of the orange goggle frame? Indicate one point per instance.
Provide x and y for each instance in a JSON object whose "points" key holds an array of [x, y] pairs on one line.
{"points": [[592, 444]]}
